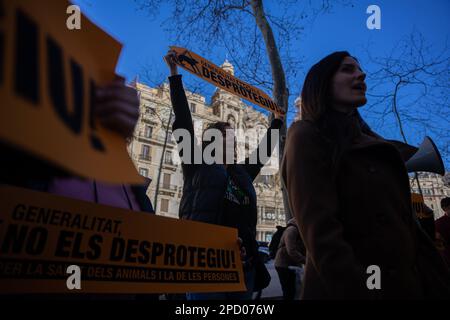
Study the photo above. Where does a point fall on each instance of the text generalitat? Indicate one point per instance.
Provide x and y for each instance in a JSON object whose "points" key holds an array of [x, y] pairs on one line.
{"points": [[55, 217]]}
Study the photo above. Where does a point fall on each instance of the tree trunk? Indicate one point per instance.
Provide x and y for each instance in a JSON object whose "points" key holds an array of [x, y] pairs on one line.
{"points": [[280, 90]]}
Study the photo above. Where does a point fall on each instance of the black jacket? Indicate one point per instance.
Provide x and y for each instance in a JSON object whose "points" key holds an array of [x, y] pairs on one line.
{"points": [[205, 184]]}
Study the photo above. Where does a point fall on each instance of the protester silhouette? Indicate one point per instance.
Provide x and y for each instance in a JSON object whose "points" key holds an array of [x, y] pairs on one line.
{"points": [[221, 194]]}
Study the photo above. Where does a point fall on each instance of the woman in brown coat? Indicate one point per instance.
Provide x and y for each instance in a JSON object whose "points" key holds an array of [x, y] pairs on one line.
{"points": [[349, 192]]}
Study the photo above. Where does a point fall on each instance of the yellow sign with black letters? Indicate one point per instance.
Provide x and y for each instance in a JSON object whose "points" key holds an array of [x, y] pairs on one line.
{"points": [[214, 74], [48, 74]]}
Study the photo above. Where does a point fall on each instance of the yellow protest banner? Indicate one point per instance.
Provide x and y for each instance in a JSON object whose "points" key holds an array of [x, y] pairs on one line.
{"points": [[117, 250], [419, 206], [214, 74], [47, 78]]}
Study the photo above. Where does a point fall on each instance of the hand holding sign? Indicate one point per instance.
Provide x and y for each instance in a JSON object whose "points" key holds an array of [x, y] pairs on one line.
{"points": [[170, 59], [214, 74], [243, 252], [117, 107]]}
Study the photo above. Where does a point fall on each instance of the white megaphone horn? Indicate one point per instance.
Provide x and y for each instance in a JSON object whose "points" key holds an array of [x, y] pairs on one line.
{"points": [[426, 159]]}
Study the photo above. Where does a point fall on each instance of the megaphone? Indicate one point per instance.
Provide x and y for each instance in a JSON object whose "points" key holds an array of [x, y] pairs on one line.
{"points": [[427, 159]]}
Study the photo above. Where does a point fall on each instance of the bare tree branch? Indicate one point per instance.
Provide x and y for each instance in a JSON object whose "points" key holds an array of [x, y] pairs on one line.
{"points": [[411, 86]]}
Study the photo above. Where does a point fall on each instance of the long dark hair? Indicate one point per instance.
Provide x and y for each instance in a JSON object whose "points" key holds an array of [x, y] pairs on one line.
{"points": [[316, 92], [316, 106]]}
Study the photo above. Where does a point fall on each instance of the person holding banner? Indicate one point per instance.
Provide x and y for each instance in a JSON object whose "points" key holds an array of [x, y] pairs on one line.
{"points": [[349, 192], [216, 193]]}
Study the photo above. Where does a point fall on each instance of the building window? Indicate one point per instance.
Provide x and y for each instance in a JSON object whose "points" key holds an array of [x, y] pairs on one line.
{"points": [[232, 121], [164, 206], [192, 107], [166, 181], [216, 110], [168, 157], [143, 172], [149, 110], [170, 137], [266, 179], [145, 152], [167, 137], [148, 131]]}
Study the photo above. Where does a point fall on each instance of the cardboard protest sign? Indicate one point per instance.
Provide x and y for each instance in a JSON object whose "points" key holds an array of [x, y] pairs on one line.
{"points": [[419, 206], [214, 74], [118, 251], [47, 78]]}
